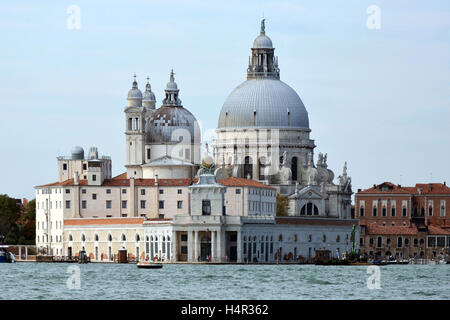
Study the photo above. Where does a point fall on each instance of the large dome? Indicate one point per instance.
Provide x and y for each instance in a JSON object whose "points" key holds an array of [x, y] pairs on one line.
{"points": [[169, 124], [263, 103]]}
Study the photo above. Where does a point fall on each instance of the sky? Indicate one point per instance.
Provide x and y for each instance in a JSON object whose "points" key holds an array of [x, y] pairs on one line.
{"points": [[378, 98]]}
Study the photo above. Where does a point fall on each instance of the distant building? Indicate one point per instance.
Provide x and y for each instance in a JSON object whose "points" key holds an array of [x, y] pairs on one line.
{"points": [[404, 221]]}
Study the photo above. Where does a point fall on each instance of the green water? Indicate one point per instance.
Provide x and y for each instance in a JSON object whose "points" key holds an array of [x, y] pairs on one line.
{"points": [[114, 281]]}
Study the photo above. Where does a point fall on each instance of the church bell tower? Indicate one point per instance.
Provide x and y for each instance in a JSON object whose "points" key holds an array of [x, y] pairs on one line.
{"points": [[134, 132]]}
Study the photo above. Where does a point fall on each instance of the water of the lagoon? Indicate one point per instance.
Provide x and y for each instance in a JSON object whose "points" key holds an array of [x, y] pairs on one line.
{"points": [[119, 281]]}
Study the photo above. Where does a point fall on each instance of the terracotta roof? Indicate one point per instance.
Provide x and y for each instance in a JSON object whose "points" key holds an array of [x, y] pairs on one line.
{"points": [[102, 221], [120, 176], [431, 188], [391, 230], [241, 182], [391, 189], [314, 222], [437, 230], [427, 188]]}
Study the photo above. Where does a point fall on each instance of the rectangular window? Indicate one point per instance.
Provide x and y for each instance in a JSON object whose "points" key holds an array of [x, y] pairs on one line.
{"points": [[124, 204], [94, 196], [67, 204], [184, 250], [142, 204], [67, 190], [161, 204], [179, 204], [64, 166], [361, 212], [161, 191], [83, 204], [184, 237], [161, 216], [142, 192], [83, 190], [374, 212], [148, 154], [84, 166], [108, 204], [94, 177], [404, 212], [124, 215], [108, 191], [124, 190], [384, 212], [180, 191], [393, 211], [238, 191], [206, 207]]}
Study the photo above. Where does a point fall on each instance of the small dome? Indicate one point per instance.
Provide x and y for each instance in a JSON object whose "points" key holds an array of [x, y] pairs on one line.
{"points": [[148, 96], [262, 41], [171, 85], [134, 92], [77, 153], [167, 124]]}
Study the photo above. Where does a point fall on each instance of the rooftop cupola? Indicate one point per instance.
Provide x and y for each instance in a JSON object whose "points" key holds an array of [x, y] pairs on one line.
{"points": [[149, 99], [134, 95], [263, 63], [171, 91]]}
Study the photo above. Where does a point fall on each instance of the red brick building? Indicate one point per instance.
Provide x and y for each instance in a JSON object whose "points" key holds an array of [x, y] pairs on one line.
{"points": [[404, 222]]}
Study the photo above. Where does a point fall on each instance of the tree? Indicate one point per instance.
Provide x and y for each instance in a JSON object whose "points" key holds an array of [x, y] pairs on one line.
{"points": [[17, 223], [28, 223], [9, 215], [282, 206]]}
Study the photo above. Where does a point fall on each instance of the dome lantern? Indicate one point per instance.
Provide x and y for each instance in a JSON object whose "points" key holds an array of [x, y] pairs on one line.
{"points": [[263, 63]]}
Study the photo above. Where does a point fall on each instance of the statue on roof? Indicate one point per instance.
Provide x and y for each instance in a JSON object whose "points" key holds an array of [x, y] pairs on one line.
{"points": [[263, 26]]}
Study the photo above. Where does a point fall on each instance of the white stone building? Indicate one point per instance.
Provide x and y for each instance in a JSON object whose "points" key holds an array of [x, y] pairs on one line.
{"points": [[164, 206]]}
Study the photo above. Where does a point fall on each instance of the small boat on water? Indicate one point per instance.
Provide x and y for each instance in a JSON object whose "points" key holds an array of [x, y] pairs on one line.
{"points": [[378, 262], [5, 255], [149, 265]]}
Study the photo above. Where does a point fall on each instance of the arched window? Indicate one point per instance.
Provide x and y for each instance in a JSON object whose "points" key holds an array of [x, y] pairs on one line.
{"points": [[147, 238], [379, 242], [83, 237], [109, 237], [70, 237], [138, 237], [399, 242], [280, 237], [294, 168], [124, 238], [324, 238], [309, 209], [338, 238], [96, 237]]}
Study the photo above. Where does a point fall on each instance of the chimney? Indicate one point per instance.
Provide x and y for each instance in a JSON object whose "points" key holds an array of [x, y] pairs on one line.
{"points": [[75, 178], [445, 184], [359, 190]]}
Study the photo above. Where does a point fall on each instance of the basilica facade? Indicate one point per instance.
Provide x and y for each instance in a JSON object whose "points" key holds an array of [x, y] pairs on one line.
{"points": [[174, 204]]}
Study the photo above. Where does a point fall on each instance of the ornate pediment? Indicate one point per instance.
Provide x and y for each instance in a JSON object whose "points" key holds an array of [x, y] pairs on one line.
{"points": [[310, 192]]}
